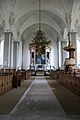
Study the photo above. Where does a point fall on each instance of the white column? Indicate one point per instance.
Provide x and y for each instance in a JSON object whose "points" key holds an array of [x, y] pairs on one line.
{"points": [[15, 54], [7, 49], [45, 56], [34, 57], [60, 57], [20, 53], [73, 41], [63, 53], [73, 38], [57, 53], [0, 52]]}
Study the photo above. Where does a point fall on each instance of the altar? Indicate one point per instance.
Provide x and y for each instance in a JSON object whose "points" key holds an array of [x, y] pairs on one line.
{"points": [[40, 51]]}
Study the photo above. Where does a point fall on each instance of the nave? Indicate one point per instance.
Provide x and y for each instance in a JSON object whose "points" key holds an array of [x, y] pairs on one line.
{"points": [[40, 102]]}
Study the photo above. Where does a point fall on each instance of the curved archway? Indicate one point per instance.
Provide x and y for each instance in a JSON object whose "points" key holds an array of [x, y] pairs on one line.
{"points": [[22, 23]]}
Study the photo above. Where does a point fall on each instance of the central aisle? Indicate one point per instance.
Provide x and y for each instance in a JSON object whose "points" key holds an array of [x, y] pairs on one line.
{"points": [[38, 103]]}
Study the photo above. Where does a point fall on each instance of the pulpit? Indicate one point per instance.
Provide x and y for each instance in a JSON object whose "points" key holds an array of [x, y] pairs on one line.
{"points": [[70, 62]]}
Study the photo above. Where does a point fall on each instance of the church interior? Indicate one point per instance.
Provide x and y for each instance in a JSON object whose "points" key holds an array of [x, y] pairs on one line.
{"points": [[40, 59]]}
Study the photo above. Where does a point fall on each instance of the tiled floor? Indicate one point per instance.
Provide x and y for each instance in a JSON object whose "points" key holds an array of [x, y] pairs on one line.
{"points": [[38, 103]]}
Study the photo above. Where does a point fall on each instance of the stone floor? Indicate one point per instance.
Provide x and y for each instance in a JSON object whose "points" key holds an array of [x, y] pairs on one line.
{"points": [[9, 99], [38, 103]]}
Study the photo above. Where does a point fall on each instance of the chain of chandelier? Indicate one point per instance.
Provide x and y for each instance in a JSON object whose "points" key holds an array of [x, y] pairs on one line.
{"points": [[40, 38]]}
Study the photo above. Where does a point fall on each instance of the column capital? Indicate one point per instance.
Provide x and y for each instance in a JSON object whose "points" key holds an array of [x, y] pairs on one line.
{"points": [[8, 32], [16, 41], [72, 31], [63, 41]]}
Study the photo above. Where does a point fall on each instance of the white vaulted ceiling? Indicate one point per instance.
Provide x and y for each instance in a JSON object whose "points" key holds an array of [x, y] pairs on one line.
{"points": [[26, 16]]}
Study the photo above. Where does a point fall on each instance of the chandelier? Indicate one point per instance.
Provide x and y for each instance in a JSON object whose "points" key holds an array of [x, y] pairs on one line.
{"points": [[39, 39]]}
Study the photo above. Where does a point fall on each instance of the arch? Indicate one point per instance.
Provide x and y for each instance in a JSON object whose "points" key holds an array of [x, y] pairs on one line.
{"points": [[49, 31], [75, 14], [45, 22], [55, 16]]}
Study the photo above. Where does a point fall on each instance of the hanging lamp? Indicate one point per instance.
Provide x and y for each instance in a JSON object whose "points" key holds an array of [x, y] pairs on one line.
{"points": [[39, 39]]}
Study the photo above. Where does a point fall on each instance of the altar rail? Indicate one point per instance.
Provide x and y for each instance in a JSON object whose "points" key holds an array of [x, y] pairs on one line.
{"points": [[10, 78], [67, 79]]}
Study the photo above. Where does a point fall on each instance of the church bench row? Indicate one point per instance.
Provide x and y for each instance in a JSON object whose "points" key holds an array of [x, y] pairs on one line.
{"points": [[9, 78], [69, 80]]}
